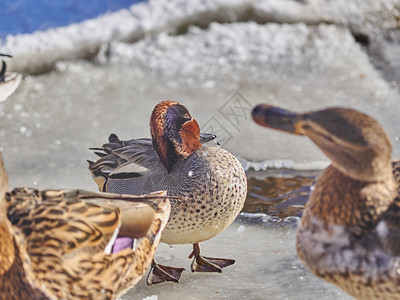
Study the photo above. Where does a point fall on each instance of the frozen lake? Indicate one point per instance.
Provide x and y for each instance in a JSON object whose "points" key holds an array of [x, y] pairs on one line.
{"points": [[219, 59]]}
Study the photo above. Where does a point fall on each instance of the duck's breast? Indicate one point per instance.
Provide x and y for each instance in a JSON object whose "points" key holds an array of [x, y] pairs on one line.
{"points": [[213, 185], [359, 264]]}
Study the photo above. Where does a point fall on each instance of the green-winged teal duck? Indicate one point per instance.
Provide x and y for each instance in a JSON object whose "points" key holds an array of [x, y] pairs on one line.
{"points": [[210, 180]]}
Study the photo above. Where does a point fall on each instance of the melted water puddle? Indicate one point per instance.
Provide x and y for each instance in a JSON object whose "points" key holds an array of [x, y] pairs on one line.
{"points": [[280, 193]]}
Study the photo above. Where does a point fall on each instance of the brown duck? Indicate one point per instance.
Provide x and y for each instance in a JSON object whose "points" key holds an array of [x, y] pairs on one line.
{"points": [[59, 244], [350, 229]]}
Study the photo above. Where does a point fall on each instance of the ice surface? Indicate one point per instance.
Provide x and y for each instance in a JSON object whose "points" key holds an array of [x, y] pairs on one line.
{"points": [[266, 268]]}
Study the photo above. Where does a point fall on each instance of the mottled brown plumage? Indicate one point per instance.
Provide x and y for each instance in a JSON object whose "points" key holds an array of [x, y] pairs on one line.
{"points": [[210, 181], [56, 244], [350, 229]]}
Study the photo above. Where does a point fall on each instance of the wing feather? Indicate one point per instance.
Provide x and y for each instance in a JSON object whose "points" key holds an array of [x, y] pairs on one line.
{"points": [[123, 159], [66, 234], [59, 220]]}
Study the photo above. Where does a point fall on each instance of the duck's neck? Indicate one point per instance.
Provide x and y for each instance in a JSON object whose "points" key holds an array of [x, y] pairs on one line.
{"points": [[340, 200], [7, 250]]}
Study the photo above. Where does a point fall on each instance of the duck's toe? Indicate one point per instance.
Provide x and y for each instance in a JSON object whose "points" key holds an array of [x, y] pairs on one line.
{"points": [[210, 264], [160, 273]]}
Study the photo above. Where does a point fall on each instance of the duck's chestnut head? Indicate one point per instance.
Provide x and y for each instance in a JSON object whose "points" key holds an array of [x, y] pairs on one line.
{"points": [[175, 134]]}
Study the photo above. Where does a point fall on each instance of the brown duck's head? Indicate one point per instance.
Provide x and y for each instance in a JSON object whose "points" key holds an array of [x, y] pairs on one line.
{"points": [[355, 143], [175, 134]]}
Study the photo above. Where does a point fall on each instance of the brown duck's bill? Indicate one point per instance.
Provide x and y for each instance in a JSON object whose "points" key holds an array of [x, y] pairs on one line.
{"points": [[277, 118]]}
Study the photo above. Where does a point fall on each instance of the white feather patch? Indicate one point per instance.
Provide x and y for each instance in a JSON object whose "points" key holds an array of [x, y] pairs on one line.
{"points": [[382, 229], [129, 167], [110, 244]]}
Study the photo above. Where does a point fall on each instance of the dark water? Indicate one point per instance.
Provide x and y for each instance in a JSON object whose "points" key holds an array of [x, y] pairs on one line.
{"points": [[26, 16], [280, 193]]}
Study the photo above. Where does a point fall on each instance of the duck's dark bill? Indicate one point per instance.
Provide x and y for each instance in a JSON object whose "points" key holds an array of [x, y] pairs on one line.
{"points": [[206, 137], [276, 118]]}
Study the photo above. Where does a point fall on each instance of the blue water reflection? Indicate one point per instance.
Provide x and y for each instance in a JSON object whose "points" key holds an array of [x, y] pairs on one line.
{"points": [[26, 16]]}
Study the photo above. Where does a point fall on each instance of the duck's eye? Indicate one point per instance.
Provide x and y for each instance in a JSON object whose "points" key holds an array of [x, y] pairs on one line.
{"points": [[187, 116]]}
